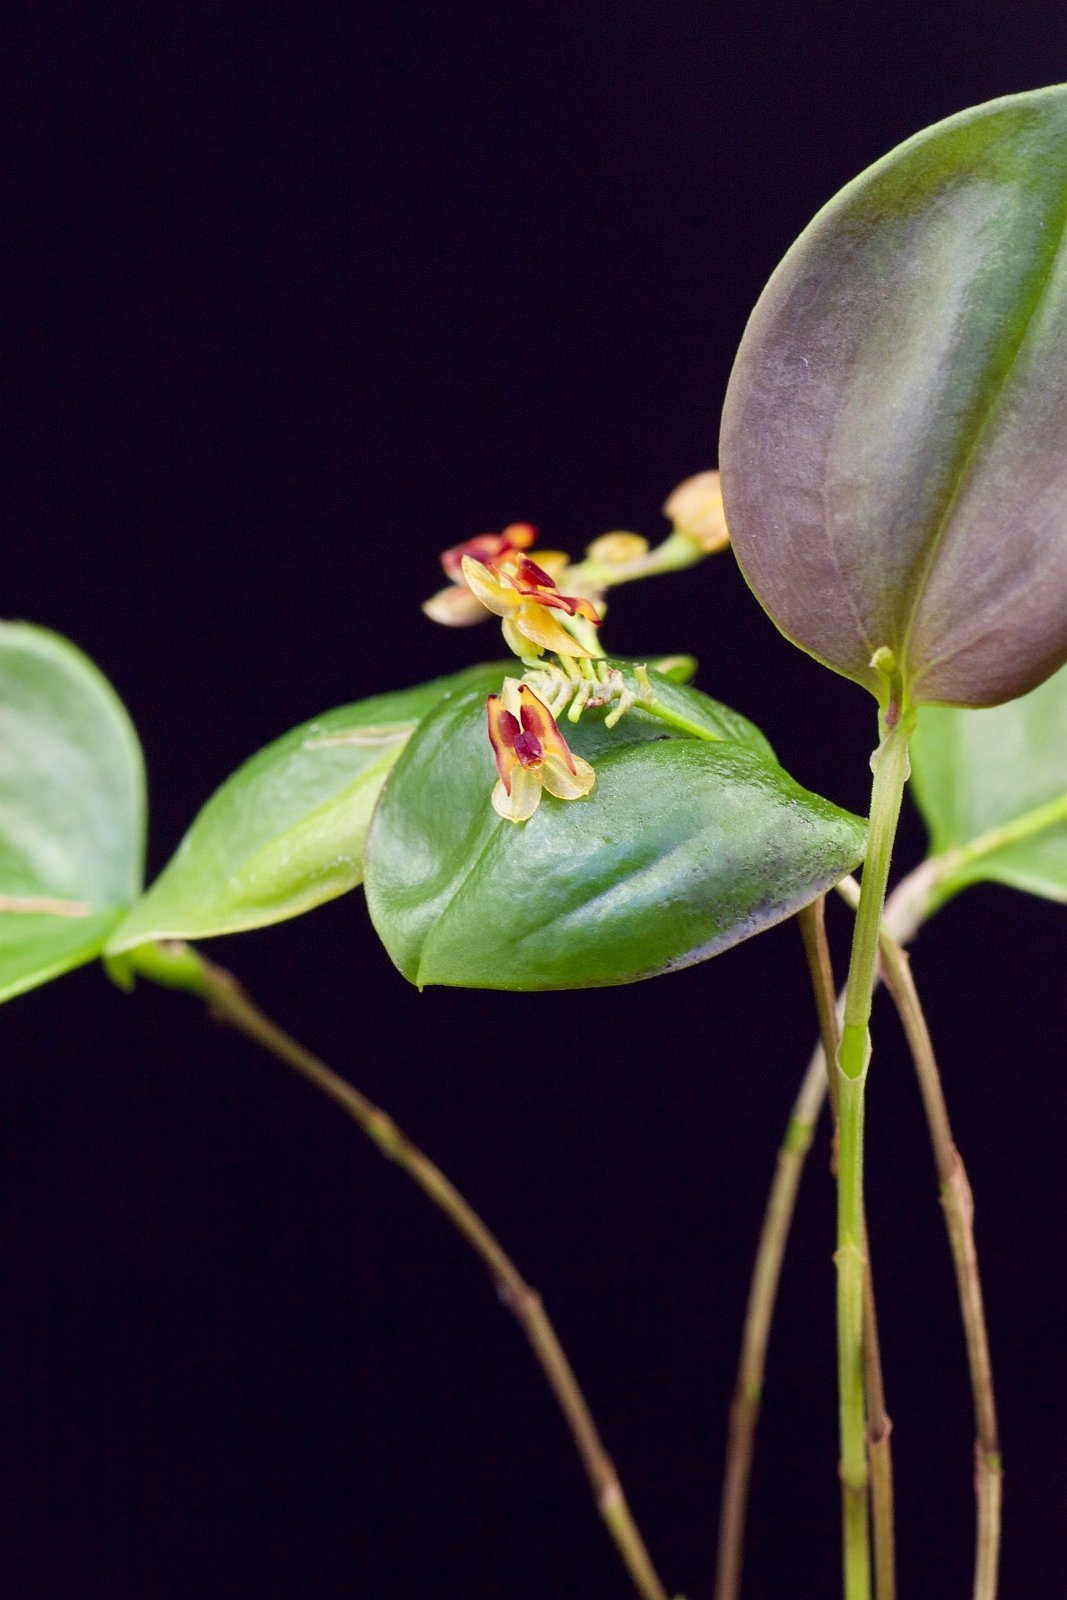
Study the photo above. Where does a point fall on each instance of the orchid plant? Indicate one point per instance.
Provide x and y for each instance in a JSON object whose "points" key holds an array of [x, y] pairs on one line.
{"points": [[894, 483]]}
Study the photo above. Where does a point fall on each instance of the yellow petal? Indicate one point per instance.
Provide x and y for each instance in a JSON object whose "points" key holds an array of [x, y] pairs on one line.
{"points": [[511, 696], [525, 796], [516, 643], [455, 607], [497, 596], [559, 780], [537, 623]]}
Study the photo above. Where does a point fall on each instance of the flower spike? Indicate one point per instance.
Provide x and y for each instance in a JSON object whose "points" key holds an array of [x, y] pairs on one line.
{"points": [[531, 754]]}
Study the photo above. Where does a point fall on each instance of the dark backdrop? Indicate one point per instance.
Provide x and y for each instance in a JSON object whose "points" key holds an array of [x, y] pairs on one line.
{"points": [[297, 296]]}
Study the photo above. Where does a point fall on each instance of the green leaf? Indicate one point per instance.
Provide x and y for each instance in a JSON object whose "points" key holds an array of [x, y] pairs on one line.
{"points": [[286, 831], [684, 847], [894, 443], [72, 808], [992, 787]]}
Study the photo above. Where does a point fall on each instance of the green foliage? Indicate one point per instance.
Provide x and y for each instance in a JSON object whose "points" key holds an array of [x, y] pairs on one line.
{"points": [[286, 831], [72, 808], [894, 444], [684, 848], [992, 787]]}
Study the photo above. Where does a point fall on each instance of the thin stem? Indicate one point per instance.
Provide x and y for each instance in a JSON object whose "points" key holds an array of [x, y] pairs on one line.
{"points": [[180, 966], [748, 1391], [812, 922], [649, 701], [675, 719], [905, 910], [890, 764], [850, 1261], [879, 1446], [958, 1205]]}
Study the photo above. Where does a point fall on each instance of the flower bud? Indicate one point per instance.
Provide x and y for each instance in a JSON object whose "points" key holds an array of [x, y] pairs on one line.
{"points": [[617, 549], [695, 507]]}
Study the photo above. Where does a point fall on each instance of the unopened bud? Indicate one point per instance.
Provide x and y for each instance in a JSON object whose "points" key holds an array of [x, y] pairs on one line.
{"points": [[455, 607], [617, 549], [695, 508]]}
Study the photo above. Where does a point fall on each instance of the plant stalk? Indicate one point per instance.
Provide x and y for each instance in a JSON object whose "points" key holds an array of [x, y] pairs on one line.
{"points": [[812, 921], [766, 1274], [958, 1205], [748, 1390], [890, 765], [907, 908], [179, 966]]}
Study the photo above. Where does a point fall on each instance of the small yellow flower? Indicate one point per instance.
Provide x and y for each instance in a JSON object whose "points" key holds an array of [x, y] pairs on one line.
{"points": [[695, 508], [488, 547], [455, 606], [524, 595], [531, 754]]}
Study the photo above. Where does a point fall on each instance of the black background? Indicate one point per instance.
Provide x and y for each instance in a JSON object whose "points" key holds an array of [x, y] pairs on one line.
{"points": [[297, 296]]}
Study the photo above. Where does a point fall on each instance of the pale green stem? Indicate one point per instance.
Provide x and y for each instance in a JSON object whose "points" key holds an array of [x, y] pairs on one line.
{"points": [[850, 1261], [958, 1205], [673, 554], [904, 912], [586, 633], [674, 719], [179, 966], [812, 922], [890, 764]]}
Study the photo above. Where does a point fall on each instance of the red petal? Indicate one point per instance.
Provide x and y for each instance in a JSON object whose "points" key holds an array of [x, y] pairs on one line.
{"points": [[539, 721], [503, 731], [529, 577], [487, 548]]}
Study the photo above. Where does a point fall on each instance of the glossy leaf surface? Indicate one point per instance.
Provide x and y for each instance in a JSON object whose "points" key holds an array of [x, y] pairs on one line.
{"points": [[684, 848], [286, 831], [894, 442], [992, 786], [72, 808]]}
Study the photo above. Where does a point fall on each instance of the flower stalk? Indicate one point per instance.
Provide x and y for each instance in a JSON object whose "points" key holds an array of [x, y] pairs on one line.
{"points": [[890, 766]]}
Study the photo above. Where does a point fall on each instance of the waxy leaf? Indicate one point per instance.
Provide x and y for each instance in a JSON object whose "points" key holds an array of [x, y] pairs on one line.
{"points": [[992, 786], [683, 848], [894, 442], [286, 831], [72, 808]]}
